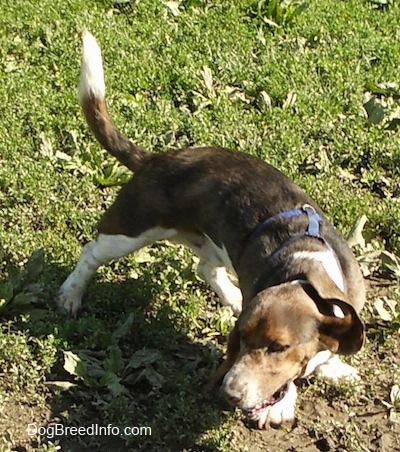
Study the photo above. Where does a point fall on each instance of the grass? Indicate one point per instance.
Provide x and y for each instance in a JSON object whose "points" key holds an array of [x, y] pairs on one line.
{"points": [[317, 96]]}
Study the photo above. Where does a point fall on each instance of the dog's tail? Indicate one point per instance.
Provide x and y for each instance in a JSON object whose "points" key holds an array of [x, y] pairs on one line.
{"points": [[92, 99]]}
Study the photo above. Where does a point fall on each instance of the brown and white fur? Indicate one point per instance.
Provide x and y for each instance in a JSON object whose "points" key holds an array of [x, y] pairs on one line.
{"points": [[294, 315]]}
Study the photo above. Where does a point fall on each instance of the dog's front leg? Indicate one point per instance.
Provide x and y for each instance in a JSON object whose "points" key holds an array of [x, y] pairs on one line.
{"points": [[329, 366], [335, 370], [217, 277], [94, 254]]}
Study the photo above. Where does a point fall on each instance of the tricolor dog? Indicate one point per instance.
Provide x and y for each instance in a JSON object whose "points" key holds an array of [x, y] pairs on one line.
{"points": [[300, 288]]}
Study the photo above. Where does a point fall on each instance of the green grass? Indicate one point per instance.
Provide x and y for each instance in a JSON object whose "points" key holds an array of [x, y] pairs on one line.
{"points": [[178, 74]]}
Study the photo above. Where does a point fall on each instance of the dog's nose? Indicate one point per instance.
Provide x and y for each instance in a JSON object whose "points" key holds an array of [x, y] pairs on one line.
{"points": [[232, 392], [234, 398]]}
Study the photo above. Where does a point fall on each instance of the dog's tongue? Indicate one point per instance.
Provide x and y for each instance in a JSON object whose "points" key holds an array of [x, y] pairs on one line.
{"points": [[254, 413]]}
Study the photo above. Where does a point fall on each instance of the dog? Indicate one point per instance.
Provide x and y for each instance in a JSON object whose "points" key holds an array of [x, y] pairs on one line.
{"points": [[301, 289]]}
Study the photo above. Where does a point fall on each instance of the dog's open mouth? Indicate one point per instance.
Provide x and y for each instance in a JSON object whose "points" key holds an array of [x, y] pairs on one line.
{"points": [[254, 413]]}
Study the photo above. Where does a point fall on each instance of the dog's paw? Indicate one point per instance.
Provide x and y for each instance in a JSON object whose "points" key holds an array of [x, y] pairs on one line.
{"points": [[282, 411], [217, 277], [68, 301], [232, 296], [235, 304], [335, 370]]}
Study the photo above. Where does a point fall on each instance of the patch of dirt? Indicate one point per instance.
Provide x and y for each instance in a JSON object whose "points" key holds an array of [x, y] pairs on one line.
{"points": [[15, 417], [322, 427]]}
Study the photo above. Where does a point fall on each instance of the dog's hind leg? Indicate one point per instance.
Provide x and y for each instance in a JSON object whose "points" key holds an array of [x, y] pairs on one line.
{"points": [[99, 252]]}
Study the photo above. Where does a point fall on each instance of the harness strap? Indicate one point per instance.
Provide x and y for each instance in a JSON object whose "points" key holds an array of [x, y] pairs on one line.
{"points": [[314, 221], [313, 230]]}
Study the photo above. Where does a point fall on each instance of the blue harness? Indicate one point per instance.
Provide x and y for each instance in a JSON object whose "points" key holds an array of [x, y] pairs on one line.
{"points": [[313, 229]]}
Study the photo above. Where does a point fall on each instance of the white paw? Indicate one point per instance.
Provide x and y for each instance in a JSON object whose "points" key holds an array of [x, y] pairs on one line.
{"points": [[68, 301], [335, 370], [282, 411], [236, 310], [234, 302], [217, 277]]}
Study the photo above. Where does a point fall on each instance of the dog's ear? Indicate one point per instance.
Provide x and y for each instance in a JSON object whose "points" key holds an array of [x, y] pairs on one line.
{"points": [[232, 353], [340, 327]]}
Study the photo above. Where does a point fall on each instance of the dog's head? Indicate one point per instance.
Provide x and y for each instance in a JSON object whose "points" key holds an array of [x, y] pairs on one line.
{"points": [[277, 334]]}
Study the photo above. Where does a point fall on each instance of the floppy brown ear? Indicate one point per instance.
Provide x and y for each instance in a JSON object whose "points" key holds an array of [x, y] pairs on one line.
{"points": [[343, 335], [232, 353], [340, 327]]}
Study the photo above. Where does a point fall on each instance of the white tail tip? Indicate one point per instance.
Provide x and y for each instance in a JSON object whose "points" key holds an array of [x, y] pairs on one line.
{"points": [[92, 75]]}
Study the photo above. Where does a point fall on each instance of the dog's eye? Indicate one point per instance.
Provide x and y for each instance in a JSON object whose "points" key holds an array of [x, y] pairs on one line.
{"points": [[276, 347]]}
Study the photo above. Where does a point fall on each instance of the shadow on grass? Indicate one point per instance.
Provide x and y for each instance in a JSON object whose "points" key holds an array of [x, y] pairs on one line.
{"points": [[148, 374]]}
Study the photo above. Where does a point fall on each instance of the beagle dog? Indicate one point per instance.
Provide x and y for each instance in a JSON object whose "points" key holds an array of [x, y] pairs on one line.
{"points": [[301, 288]]}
